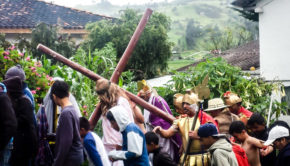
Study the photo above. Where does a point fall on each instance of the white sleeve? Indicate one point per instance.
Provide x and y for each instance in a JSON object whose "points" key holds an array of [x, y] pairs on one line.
{"points": [[135, 143]]}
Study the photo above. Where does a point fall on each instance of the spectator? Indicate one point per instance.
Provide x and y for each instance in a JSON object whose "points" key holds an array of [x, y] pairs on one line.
{"points": [[221, 114], [8, 126], [219, 148], [280, 138], [93, 145], [134, 150], [250, 144], [25, 140], [235, 105], [257, 125], [159, 157], [68, 147]]}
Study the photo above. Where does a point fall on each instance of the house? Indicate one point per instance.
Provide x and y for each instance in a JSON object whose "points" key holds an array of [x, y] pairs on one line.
{"points": [[19, 17], [274, 31], [244, 56]]}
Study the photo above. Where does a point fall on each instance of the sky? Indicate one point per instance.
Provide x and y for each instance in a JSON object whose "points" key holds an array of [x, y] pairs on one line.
{"points": [[73, 3]]}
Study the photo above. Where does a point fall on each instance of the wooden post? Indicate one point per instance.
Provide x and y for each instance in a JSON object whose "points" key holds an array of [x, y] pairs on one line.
{"points": [[128, 52], [95, 77]]}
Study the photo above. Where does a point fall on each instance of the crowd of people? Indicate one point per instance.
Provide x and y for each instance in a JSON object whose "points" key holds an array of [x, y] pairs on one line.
{"points": [[223, 134]]}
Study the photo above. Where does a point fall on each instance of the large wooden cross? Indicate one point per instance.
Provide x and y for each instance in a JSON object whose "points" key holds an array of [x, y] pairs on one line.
{"points": [[118, 71]]}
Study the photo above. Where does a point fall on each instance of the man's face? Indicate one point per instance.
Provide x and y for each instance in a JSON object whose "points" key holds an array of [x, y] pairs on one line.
{"points": [[280, 143], [257, 129], [188, 109], [145, 96], [150, 147], [115, 125], [215, 113], [83, 132], [239, 136], [234, 108], [55, 99], [206, 142]]}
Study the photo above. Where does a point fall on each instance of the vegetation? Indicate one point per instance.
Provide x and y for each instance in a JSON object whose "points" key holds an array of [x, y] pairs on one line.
{"points": [[152, 51]]}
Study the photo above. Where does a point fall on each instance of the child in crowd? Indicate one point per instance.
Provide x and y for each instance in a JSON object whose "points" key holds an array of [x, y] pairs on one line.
{"points": [[93, 145], [219, 148], [159, 157], [134, 152], [250, 144], [257, 125]]}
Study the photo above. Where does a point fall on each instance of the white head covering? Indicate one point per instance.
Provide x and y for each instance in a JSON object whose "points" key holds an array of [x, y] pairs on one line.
{"points": [[121, 116], [275, 133]]}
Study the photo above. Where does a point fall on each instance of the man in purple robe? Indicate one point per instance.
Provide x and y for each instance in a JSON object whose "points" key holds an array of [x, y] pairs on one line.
{"points": [[171, 145]]}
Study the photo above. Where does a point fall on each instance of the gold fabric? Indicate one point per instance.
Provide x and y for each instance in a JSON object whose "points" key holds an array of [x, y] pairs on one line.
{"points": [[183, 125]]}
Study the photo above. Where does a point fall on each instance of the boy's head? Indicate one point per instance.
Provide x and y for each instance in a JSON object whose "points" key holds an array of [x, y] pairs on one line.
{"points": [[256, 123], [59, 91], [152, 141], [238, 130], [113, 121], [208, 134], [119, 118], [84, 126], [279, 136]]}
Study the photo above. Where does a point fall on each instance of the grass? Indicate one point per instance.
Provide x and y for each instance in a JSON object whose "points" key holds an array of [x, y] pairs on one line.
{"points": [[176, 64]]}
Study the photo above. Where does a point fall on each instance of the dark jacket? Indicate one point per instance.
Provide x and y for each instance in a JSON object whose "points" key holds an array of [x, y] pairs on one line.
{"points": [[270, 159], [25, 139], [160, 158], [8, 123], [283, 158]]}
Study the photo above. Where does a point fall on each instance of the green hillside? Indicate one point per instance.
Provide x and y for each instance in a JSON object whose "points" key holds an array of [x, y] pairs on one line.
{"points": [[206, 12]]}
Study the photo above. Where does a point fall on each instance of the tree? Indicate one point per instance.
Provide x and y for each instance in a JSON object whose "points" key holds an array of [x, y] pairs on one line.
{"points": [[248, 14], [152, 50], [47, 35], [193, 32]]}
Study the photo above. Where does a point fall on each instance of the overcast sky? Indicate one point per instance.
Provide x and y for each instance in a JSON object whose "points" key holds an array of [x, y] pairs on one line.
{"points": [[73, 3]]}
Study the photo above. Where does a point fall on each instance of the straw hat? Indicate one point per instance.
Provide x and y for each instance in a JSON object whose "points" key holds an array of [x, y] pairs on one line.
{"points": [[215, 104], [231, 98]]}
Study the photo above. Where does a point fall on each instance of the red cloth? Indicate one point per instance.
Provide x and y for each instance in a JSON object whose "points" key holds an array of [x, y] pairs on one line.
{"points": [[205, 118], [245, 112], [240, 155]]}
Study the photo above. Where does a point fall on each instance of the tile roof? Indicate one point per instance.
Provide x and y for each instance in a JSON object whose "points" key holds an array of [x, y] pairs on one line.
{"points": [[28, 13], [244, 56]]}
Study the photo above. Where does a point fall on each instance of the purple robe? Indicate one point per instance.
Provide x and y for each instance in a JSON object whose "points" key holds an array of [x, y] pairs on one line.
{"points": [[157, 121]]}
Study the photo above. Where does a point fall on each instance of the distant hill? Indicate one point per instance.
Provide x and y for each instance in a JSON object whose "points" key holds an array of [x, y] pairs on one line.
{"points": [[205, 12]]}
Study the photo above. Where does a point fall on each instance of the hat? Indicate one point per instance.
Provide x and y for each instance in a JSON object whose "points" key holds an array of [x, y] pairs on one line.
{"points": [[143, 88], [207, 130], [215, 104], [275, 133], [13, 85], [177, 101], [231, 98], [15, 71], [190, 98]]}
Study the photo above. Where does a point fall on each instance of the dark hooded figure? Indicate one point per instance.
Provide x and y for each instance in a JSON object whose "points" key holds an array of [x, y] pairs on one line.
{"points": [[25, 139]]}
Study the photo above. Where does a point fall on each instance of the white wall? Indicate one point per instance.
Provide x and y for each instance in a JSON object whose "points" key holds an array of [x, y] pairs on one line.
{"points": [[274, 27]]}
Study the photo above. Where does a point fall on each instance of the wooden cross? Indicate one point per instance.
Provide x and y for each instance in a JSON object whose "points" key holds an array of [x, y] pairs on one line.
{"points": [[118, 71]]}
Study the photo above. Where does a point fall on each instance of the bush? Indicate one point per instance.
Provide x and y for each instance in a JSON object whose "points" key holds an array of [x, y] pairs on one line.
{"points": [[37, 77]]}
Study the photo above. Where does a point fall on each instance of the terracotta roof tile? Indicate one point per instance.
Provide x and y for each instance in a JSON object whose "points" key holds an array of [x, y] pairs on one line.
{"points": [[28, 13]]}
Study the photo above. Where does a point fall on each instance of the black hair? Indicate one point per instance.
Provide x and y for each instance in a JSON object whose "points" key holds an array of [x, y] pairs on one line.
{"points": [[279, 123], [110, 116], [151, 137], [256, 118], [237, 127], [60, 89], [84, 123]]}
